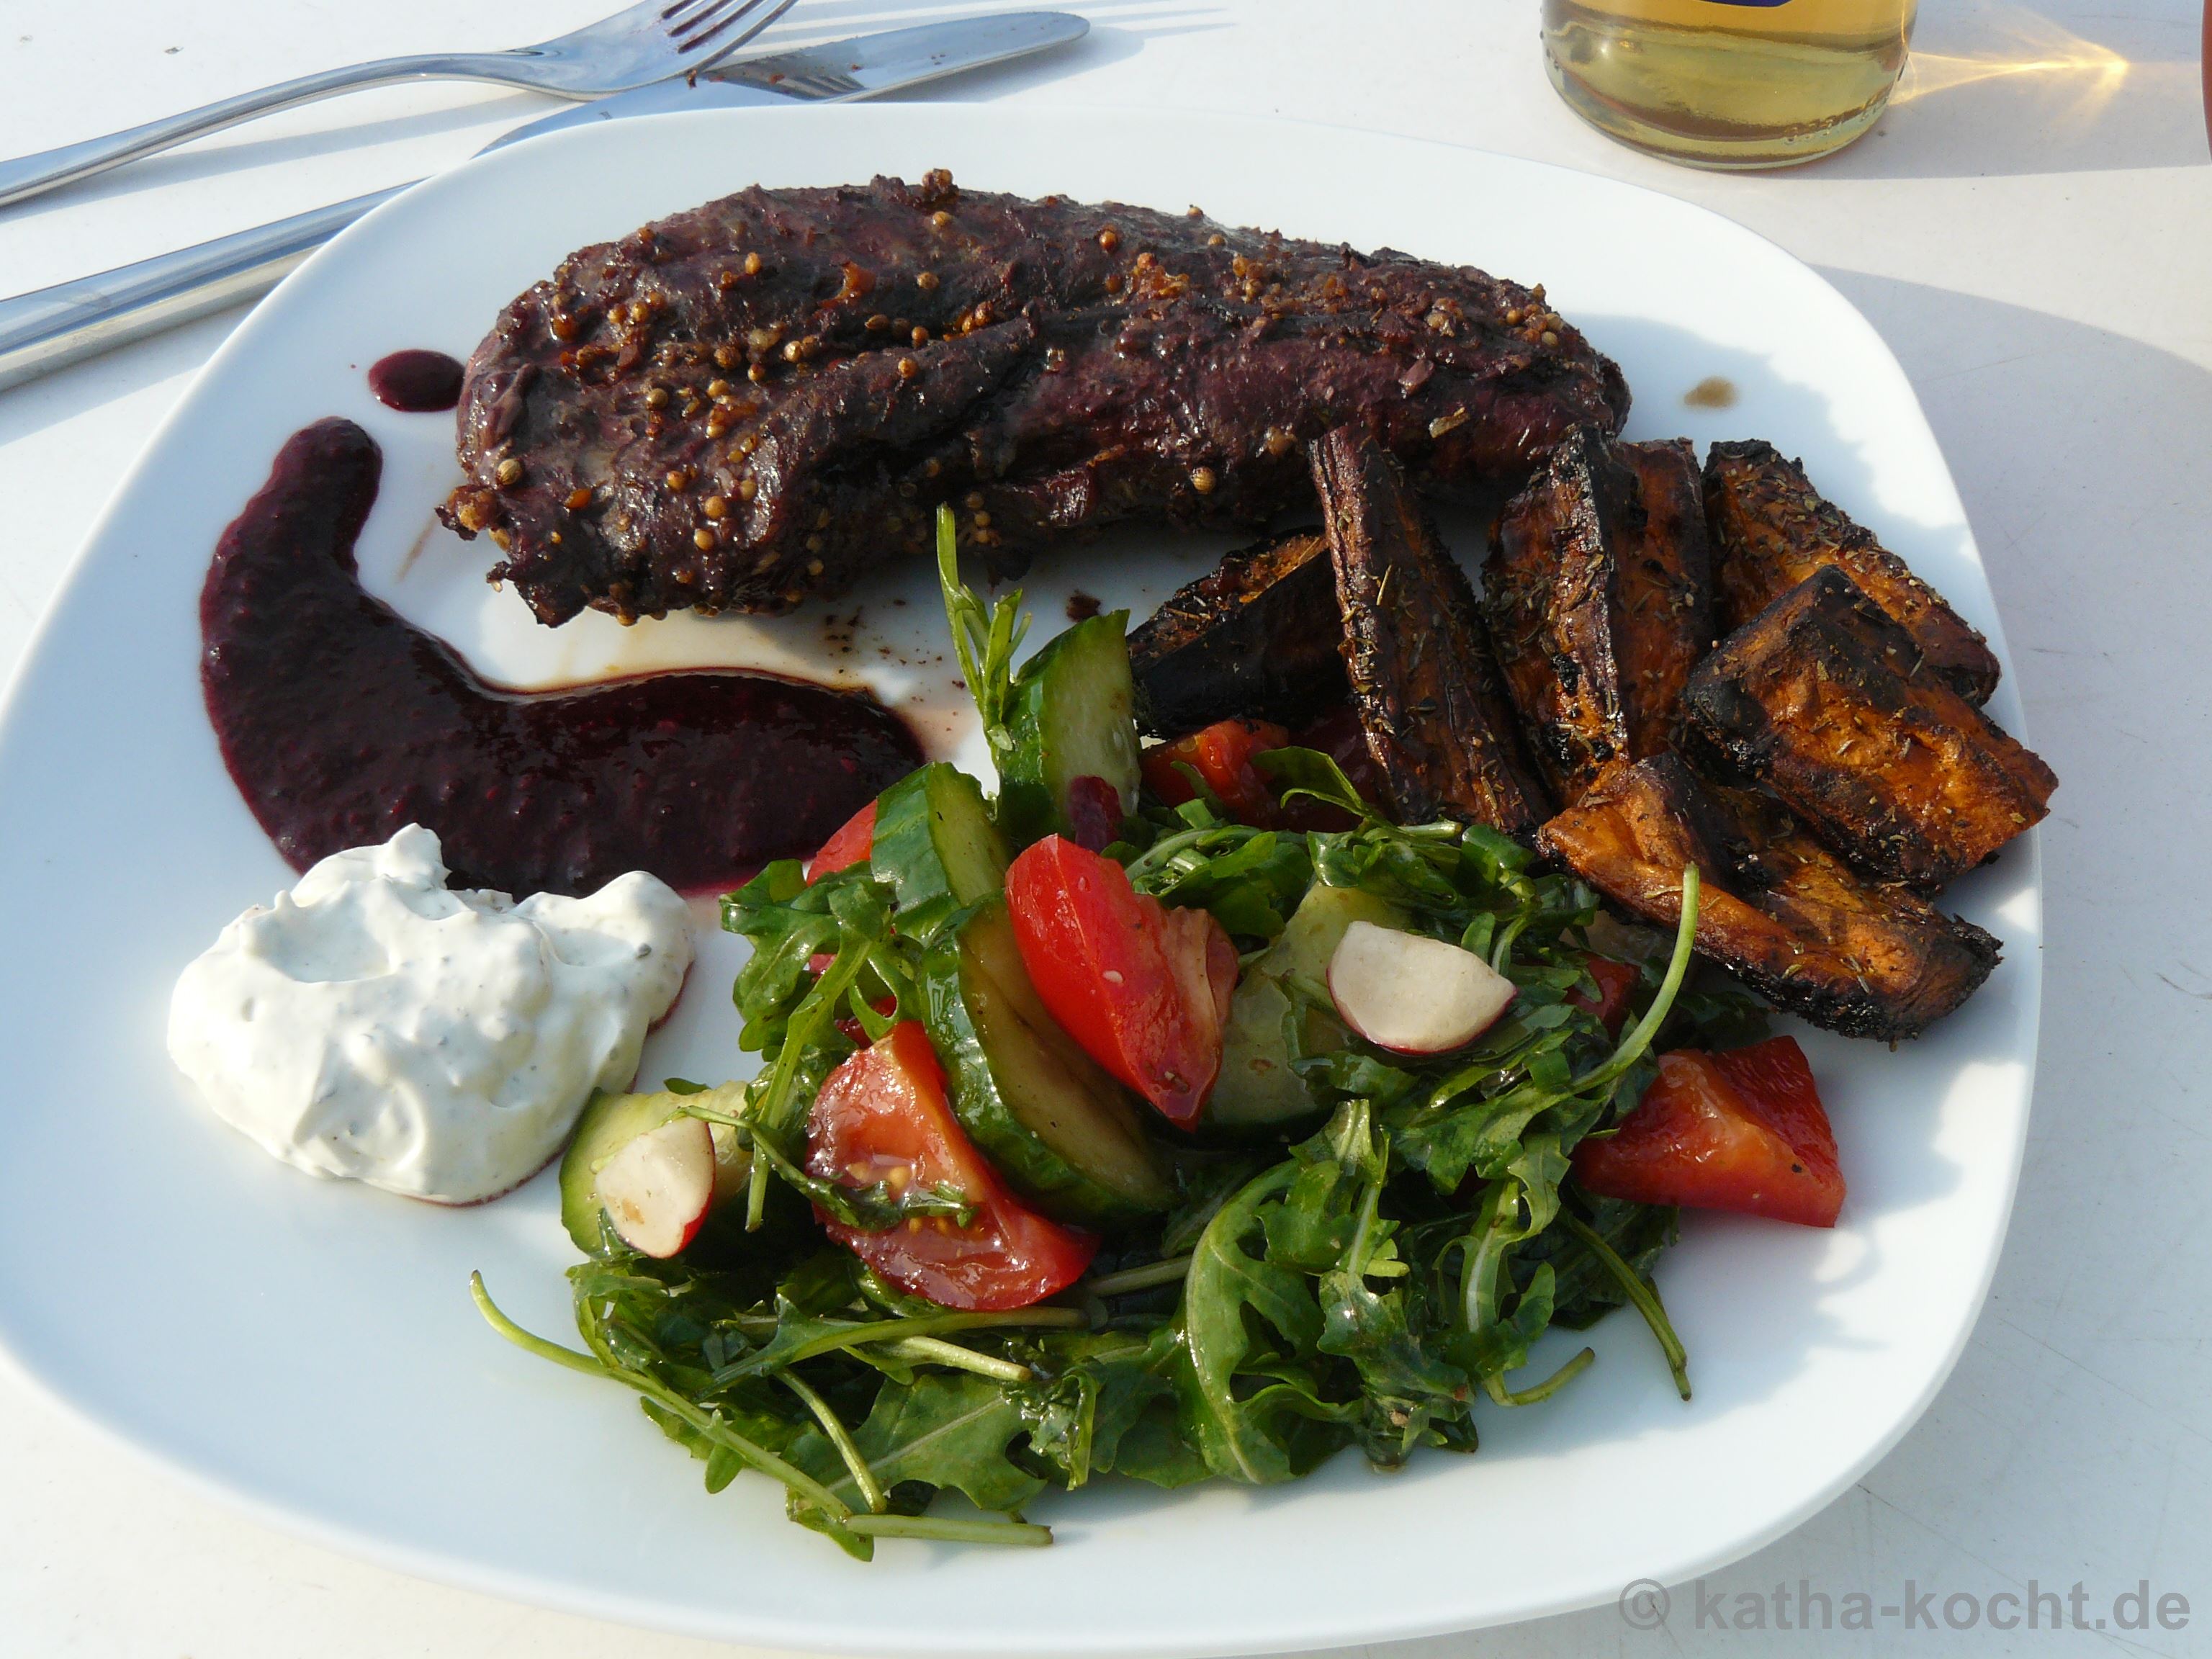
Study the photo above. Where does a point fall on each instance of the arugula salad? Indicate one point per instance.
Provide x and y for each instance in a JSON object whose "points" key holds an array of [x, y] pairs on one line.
{"points": [[1167, 1115]]}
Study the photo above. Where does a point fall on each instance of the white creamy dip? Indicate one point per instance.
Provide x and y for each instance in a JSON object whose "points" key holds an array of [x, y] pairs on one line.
{"points": [[375, 1026]]}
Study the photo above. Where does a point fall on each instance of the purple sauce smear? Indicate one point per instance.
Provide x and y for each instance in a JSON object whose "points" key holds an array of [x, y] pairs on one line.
{"points": [[340, 722]]}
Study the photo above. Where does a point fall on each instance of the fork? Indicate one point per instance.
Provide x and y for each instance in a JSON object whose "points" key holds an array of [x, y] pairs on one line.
{"points": [[648, 42]]}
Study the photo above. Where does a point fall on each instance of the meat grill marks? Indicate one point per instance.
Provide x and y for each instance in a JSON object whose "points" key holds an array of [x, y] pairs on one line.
{"points": [[1257, 637], [1831, 702], [1772, 528], [1598, 598], [1423, 683], [739, 405], [1776, 909]]}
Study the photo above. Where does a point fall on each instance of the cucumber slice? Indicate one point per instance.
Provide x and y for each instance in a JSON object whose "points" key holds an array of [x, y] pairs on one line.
{"points": [[610, 1123], [1317, 927], [1257, 1086], [1072, 716], [937, 847], [1064, 1134]]}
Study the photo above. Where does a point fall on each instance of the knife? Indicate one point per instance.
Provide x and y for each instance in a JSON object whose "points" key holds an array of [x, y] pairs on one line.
{"points": [[53, 326]]}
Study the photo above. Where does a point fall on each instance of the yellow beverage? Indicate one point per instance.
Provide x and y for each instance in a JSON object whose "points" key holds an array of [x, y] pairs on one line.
{"points": [[1728, 85]]}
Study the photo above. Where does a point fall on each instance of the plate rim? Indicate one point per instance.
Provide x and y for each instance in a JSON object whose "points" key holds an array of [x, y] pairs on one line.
{"points": [[438, 1565]]}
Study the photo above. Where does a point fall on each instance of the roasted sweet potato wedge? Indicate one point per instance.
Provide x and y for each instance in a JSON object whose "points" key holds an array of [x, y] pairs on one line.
{"points": [[1772, 528], [1778, 910], [1257, 638], [1551, 595], [1666, 592], [1598, 598], [1827, 700], [1422, 679]]}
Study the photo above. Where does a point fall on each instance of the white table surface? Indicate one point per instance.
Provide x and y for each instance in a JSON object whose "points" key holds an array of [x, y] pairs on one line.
{"points": [[2030, 228]]}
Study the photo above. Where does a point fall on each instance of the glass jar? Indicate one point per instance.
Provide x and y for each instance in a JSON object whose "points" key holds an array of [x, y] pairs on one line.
{"points": [[1728, 83]]}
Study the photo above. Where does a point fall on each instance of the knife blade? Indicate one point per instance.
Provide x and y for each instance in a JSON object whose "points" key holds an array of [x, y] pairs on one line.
{"points": [[838, 72], [52, 327]]}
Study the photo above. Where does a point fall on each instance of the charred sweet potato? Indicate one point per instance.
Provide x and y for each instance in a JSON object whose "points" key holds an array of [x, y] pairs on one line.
{"points": [[1550, 594], [1256, 638], [1778, 910], [1422, 679], [1598, 598], [1772, 528], [1666, 593], [1827, 700]]}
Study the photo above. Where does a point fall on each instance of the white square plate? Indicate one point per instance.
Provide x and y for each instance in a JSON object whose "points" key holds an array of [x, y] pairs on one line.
{"points": [[310, 1349]]}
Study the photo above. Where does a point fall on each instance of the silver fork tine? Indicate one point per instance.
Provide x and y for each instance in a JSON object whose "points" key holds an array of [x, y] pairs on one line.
{"points": [[681, 14], [716, 15], [727, 46], [646, 42], [693, 18]]}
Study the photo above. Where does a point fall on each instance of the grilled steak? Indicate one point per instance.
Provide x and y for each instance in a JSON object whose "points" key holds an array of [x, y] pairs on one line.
{"points": [[753, 401], [1776, 909], [1423, 683], [1831, 703], [1772, 528], [1256, 638], [1599, 600]]}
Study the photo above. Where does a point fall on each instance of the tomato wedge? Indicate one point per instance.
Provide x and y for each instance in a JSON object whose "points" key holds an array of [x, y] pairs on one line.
{"points": [[1143, 988], [854, 840], [1742, 1130], [882, 1116], [1222, 754], [1615, 981]]}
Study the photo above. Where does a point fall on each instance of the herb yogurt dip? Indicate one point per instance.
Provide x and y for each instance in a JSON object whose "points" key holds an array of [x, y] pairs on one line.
{"points": [[374, 1026]]}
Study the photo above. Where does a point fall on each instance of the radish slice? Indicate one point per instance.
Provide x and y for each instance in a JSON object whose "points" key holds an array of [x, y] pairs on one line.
{"points": [[1411, 995], [657, 1189]]}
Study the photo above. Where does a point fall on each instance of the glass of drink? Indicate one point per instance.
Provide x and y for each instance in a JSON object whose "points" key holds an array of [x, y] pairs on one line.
{"points": [[1728, 83]]}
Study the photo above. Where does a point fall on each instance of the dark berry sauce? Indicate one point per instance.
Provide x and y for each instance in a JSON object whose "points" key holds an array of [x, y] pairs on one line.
{"points": [[416, 382], [1094, 812], [340, 722]]}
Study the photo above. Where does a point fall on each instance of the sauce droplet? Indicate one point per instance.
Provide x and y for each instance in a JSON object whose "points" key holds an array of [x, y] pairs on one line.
{"points": [[416, 382], [1714, 391]]}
